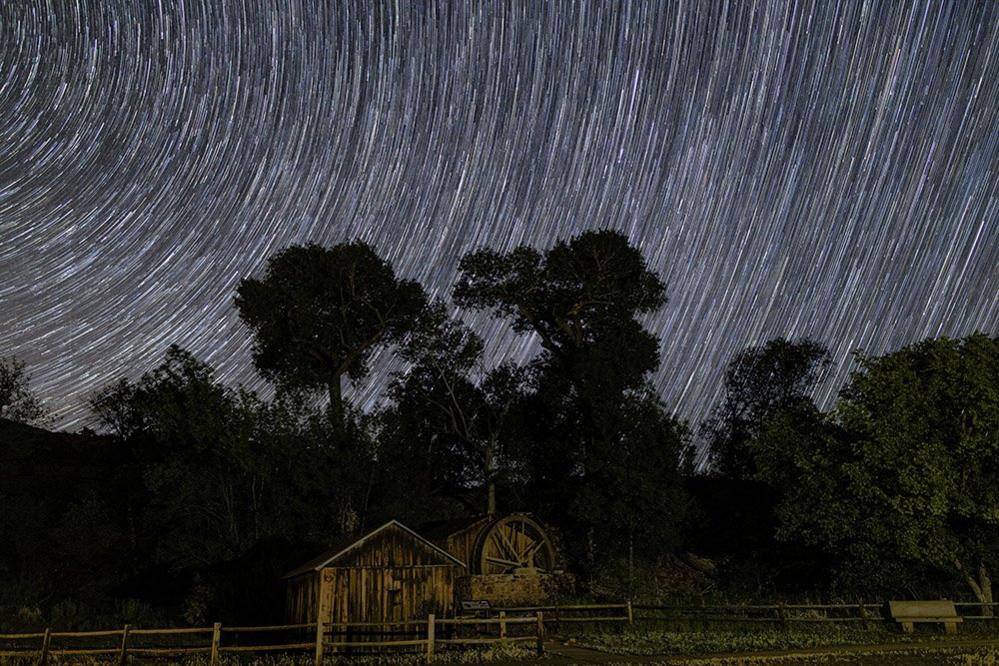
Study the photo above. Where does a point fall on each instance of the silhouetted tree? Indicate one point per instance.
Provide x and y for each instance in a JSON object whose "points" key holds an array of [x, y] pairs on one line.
{"points": [[223, 469], [906, 471], [634, 498], [17, 401], [759, 382], [117, 410], [463, 413], [570, 296], [582, 298], [318, 314]]}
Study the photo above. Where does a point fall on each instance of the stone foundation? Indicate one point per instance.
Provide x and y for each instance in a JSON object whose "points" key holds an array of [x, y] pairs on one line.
{"points": [[511, 589]]}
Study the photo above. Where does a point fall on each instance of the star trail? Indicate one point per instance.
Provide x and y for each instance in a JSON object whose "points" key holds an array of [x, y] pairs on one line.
{"points": [[823, 169]]}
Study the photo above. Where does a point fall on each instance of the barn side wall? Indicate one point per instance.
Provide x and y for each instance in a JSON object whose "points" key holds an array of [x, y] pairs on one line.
{"points": [[368, 594], [461, 544], [302, 598]]}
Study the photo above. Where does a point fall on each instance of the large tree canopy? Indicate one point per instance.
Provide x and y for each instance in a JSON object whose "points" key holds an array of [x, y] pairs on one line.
{"points": [[906, 470], [572, 295], [222, 468], [582, 298], [318, 314], [588, 412], [759, 383]]}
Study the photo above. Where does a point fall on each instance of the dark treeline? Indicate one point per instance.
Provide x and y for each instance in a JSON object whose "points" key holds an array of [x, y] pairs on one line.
{"points": [[191, 498]]}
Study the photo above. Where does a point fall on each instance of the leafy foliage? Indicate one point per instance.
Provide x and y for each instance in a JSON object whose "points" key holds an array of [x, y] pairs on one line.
{"points": [[210, 491], [634, 500], [17, 401], [318, 314], [569, 296], [759, 383], [904, 472], [588, 409], [466, 414], [223, 469]]}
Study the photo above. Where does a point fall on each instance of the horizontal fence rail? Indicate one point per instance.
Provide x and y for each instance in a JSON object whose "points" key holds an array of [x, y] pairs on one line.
{"points": [[865, 614], [981, 606], [784, 614]]}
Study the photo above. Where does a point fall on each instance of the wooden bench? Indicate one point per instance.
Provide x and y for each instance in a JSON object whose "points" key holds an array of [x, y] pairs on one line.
{"points": [[907, 613]]}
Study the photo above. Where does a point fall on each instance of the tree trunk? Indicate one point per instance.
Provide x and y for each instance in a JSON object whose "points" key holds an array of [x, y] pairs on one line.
{"points": [[490, 481], [981, 586], [336, 403], [591, 557], [631, 560], [985, 584]]}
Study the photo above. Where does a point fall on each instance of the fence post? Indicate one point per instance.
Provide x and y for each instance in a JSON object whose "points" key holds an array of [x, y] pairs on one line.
{"points": [[431, 625], [864, 621], [502, 625], [631, 613], [782, 614], [541, 633], [320, 638], [216, 639], [123, 650], [43, 655]]}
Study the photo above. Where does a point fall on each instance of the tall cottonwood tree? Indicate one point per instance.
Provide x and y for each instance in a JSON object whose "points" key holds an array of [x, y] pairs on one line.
{"points": [[582, 298], [319, 313]]}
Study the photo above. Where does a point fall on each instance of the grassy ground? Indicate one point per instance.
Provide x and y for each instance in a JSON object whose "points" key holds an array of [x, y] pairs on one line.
{"points": [[826, 644], [646, 641], [942, 656], [642, 641], [492, 655]]}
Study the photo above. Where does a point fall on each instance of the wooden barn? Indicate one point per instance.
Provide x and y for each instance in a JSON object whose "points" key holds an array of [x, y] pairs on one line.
{"points": [[392, 574]]}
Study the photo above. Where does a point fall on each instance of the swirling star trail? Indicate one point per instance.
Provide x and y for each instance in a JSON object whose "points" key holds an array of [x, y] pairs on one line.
{"points": [[823, 169]]}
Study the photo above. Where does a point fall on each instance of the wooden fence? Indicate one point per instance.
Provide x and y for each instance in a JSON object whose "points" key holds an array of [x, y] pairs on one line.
{"points": [[127, 642], [524, 624], [431, 634], [865, 614]]}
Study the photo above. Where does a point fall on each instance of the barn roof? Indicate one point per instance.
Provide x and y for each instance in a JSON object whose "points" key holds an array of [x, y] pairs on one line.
{"points": [[344, 549]]}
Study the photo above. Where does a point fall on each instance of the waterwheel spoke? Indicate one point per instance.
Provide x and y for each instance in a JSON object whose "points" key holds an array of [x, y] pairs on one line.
{"points": [[500, 560], [524, 539], [533, 548], [508, 546]]}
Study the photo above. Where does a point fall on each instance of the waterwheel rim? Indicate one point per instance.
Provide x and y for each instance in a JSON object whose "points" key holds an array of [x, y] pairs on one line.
{"points": [[515, 544]]}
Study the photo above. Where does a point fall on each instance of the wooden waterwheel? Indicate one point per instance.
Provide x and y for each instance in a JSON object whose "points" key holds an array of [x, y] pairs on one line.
{"points": [[514, 544]]}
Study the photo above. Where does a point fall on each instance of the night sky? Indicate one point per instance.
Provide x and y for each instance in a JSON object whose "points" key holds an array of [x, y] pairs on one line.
{"points": [[823, 169]]}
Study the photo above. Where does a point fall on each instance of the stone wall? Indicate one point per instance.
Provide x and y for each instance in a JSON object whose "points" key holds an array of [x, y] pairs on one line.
{"points": [[511, 589]]}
